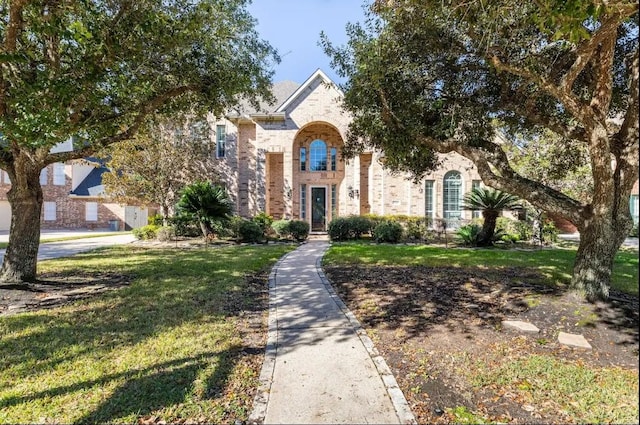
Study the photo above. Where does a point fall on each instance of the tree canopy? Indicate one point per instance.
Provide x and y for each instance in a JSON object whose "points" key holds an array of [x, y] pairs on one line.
{"points": [[469, 77], [94, 70]]}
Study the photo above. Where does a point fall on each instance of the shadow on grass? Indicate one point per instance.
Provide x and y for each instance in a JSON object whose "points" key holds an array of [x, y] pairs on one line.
{"points": [[417, 299], [170, 289]]}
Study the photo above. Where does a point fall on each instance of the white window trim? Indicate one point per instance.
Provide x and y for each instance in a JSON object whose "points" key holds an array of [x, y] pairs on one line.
{"points": [[49, 211], [58, 174], [91, 211], [44, 176]]}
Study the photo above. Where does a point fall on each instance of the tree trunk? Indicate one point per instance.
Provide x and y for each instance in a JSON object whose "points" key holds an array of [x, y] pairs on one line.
{"points": [[485, 237], [25, 197], [600, 240]]}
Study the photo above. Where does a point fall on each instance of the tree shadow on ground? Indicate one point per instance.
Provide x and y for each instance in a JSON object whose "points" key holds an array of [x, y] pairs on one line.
{"points": [[417, 299]]}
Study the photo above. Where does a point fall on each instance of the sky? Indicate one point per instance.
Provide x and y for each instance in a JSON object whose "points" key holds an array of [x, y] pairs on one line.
{"points": [[293, 27]]}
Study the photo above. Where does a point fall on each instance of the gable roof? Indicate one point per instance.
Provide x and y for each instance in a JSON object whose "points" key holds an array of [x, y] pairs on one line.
{"points": [[286, 93], [92, 184], [317, 74]]}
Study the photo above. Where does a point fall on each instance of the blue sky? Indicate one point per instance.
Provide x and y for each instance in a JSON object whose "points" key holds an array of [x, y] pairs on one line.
{"points": [[293, 27]]}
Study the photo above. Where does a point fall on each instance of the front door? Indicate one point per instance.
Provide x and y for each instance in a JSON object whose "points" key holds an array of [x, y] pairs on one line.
{"points": [[318, 209]]}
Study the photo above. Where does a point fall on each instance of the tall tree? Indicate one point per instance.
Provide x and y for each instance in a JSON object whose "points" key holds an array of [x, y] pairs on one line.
{"points": [[435, 76], [154, 166], [94, 70]]}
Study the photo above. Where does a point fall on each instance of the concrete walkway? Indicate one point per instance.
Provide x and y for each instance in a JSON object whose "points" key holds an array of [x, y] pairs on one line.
{"points": [[320, 367]]}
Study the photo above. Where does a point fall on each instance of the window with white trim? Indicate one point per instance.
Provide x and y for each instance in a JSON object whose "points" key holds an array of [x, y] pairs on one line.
{"points": [[44, 176], [428, 199], [633, 208], [318, 156], [59, 178], [303, 201], [91, 211], [452, 198], [49, 210], [221, 141], [474, 185]]}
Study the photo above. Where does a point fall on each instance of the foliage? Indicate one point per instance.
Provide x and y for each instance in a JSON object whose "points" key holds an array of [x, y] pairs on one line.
{"points": [[431, 77], [265, 221], [120, 356], [469, 234], [351, 227], [250, 232], [147, 232], [155, 219], [206, 203], [92, 72], [388, 231], [166, 155], [165, 233], [299, 230], [555, 265], [549, 232], [281, 227], [491, 202], [184, 225], [634, 231]]}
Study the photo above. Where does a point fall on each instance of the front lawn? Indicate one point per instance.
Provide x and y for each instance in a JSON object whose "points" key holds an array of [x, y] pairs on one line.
{"points": [[436, 316], [554, 264], [182, 342]]}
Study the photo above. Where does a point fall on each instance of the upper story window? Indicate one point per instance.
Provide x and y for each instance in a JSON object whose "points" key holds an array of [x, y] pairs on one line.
{"points": [[303, 159], [334, 159], [44, 176], [318, 156], [221, 141], [58, 174]]}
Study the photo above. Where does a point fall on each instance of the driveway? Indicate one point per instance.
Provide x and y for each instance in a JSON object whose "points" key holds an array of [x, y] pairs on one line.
{"points": [[50, 250]]}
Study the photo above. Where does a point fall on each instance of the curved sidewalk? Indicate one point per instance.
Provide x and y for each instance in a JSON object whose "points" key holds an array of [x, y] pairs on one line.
{"points": [[320, 367]]}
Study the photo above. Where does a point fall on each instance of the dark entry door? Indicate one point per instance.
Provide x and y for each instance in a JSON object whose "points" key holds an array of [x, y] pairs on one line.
{"points": [[318, 208]]}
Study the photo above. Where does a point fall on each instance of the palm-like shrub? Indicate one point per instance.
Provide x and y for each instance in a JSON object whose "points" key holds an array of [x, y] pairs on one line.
{"points": [[206, 204], [490, 202]]}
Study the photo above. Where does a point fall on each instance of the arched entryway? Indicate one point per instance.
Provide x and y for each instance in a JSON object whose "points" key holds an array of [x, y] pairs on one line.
{"points": [[318, 171]]}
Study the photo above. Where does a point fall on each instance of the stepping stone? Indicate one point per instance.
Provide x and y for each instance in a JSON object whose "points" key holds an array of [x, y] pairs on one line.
{"points": [[573, 340], [520, 326]]}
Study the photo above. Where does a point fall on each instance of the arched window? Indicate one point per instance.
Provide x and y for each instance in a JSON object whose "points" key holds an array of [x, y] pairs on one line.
{"points": [[318, 156], [452, 197]]}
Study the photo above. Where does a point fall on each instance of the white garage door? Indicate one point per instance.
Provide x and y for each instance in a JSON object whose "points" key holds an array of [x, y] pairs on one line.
{"points": [[5, 215]]}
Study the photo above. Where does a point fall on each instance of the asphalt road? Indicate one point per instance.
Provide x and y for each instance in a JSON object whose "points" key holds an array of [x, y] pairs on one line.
{"points": [[67, 248]]}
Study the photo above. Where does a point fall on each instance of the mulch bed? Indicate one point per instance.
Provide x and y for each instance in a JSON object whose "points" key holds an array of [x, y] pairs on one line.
{"points": [[423, 320]]}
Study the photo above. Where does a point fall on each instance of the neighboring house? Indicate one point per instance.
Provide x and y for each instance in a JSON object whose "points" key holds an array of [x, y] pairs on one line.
{"points": [[286, 160], [74, 198]]}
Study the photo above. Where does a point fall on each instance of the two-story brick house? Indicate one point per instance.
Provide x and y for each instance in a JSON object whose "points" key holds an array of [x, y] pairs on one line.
{"points": [[74, 198], [286, 160]]}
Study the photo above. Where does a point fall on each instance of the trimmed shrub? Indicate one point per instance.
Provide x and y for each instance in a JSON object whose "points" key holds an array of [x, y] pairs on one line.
{"points": [[263, 220], [250, 232], [358, 226], [184, 225], [165, 233], [524, 230], [299, 230], [147, 232], [634, 231], [388, 231], [281, 227], [339, 229]]}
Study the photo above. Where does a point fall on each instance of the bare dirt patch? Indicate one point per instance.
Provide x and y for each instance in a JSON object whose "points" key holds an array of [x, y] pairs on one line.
{"points": [[430, 323]]}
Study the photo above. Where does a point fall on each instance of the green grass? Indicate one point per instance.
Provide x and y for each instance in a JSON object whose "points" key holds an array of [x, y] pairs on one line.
{"points": [[166, 345], [554, 264], [44, 239], [597, 395]]}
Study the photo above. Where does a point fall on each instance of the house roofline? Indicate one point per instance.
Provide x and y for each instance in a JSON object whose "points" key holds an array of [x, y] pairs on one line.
{"points": [[303, 87]]}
